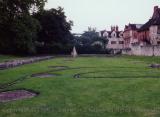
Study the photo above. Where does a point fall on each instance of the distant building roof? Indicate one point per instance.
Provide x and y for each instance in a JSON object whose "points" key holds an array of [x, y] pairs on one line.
{"points": [[133, 27], [110, 33], [155, 20]]}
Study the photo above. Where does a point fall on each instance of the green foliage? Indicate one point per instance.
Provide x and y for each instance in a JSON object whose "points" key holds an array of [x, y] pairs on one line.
{"points": [[25, 30], [18, 7], [91, 43], [55, 30], [18, 28]]}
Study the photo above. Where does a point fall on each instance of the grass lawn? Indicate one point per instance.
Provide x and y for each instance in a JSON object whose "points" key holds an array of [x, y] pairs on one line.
{"points": [[7, 57], [88, 87]]}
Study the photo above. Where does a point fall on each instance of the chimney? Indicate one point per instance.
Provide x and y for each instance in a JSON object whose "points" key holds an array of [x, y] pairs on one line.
{"points": [[117, 28], [155, 8], [155, 13], [113, 28]]}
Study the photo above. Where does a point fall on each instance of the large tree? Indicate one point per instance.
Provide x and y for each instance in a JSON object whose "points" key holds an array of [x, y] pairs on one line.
{"points": [[18, 29], [90, 43], [55, 35]]}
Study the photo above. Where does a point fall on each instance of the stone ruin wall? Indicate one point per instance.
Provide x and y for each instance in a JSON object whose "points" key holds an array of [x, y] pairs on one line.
{"points": [[143, 50]]}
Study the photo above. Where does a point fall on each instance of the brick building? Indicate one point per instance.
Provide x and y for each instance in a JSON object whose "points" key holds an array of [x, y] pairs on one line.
{"points": [[130, 35], [149, 33], [148, 37]]}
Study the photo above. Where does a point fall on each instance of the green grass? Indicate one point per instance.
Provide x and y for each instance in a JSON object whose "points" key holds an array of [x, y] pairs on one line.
{"points": [[7, 57], [107, 87]]}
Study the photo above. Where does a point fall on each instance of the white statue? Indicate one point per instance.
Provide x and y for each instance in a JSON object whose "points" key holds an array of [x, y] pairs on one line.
{"points": [[74, 52]]}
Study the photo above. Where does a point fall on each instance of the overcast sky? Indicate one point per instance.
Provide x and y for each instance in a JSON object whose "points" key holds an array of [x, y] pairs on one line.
{"points": [[104, 13]]}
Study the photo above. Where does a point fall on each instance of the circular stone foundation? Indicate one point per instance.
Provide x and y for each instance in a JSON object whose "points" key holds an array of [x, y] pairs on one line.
{"points": [[16, 95], [44, 75], [155, 66]]}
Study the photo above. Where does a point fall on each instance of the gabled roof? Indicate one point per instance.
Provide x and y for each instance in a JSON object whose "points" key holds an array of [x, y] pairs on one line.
{"points": [[151, 22], [155, 20], [146, 25], [110, 33], [133, 26]]}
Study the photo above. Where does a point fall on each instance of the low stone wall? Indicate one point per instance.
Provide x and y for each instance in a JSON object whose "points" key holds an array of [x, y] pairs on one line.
{"points": [[15, 63], [136, 50], [148, 50], [126, 52], [156, 50]]}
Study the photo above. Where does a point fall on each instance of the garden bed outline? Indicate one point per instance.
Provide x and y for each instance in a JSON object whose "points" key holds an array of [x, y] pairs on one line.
{"points": [[35, 94], [79, 76]]}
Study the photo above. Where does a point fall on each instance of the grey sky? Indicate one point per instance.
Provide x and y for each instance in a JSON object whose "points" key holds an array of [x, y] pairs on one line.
{"points": [[104, 13]]}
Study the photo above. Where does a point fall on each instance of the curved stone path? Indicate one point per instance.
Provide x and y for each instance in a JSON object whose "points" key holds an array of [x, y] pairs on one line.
{"points": [[20, 79], [44, 75], [6, 85], [23, 94], [50, 73], [7, 96]]}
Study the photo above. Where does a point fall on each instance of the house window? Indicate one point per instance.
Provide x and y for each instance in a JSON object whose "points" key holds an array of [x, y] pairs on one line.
{"points": [[158, 30], [113, 42], [158, 42], [113, 34], [121, 42]]}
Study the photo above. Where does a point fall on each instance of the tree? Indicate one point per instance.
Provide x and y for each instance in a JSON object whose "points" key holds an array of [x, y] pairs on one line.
{"points": [[18, 28], [25, 34], [90, 43], [55, 35], [103, 40]]}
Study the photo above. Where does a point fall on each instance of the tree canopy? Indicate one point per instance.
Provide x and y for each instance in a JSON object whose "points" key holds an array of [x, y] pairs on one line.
{"points": [[90, 43], [18, 28], [55, 34], [27, 28]]}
